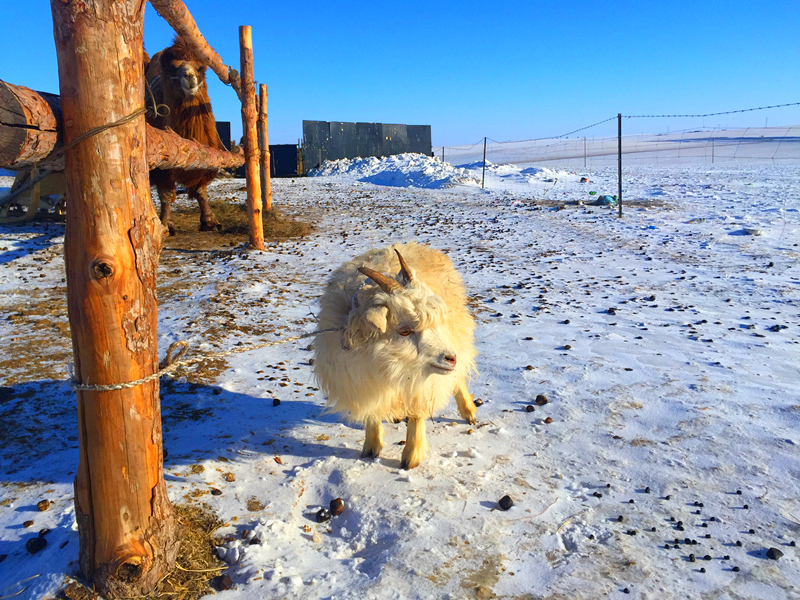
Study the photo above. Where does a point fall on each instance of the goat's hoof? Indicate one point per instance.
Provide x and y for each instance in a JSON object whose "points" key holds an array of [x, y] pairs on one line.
{"points": [[469, 417], [407, 466], [170, 229], [411, 460], [371, 453]]}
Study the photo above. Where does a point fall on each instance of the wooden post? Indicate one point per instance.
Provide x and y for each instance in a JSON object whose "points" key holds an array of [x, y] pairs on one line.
{"points": [[263, 139], [249, 127], [128, 533], [300, 165]]}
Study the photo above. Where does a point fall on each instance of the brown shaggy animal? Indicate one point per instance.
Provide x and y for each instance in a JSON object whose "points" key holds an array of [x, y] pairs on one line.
{"points": [[176, 79]]}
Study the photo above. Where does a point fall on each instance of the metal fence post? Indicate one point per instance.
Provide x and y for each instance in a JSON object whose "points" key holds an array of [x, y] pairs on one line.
{"points": [[483, 175], [712, 147], [619, 161]]}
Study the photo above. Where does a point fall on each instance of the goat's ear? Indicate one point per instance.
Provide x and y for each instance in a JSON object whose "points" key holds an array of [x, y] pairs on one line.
{"points": [[377, 317]]}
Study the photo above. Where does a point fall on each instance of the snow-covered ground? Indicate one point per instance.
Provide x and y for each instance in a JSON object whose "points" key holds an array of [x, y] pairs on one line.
{"points": [[666, 341]]}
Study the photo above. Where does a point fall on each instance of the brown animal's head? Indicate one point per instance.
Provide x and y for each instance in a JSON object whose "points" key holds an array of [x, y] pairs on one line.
{"points": [[185, 71], [177, 79]]}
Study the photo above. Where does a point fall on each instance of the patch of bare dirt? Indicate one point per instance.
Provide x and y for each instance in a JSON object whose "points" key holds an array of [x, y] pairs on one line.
{"points": [[227, 202], [41, 347]]}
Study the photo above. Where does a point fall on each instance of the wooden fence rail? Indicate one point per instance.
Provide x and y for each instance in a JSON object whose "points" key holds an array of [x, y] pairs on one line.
{"points": [[31, 134]]}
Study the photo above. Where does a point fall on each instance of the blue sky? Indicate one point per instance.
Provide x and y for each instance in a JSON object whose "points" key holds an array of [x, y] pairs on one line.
{"points": [[507, 70]]}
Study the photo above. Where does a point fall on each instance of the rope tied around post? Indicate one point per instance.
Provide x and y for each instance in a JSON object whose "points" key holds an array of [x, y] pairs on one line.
{"points": [[172, 362], [82, 137]]}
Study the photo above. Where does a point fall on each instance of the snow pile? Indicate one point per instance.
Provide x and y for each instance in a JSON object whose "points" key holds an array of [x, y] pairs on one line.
{"points": [[402, 170], [519, 177], [420, 171]]}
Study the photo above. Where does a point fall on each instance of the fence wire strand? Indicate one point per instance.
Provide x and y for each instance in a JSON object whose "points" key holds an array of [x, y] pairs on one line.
{"points": [[716, 114], [654, 116], [708, 144]]}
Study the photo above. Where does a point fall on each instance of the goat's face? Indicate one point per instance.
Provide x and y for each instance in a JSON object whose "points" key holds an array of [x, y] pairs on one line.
{"points": [[404, 333], [403, 327], [417, 338], [434, 353], [187, 75]]}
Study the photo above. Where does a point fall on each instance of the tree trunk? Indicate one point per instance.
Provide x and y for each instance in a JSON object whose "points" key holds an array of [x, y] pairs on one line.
{"points": [[263, 140], [249, 126], [128, 533], [31, 134]]}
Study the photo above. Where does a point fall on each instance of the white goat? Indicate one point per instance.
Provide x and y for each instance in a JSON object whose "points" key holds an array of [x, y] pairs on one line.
{"points": [[402, 347]]}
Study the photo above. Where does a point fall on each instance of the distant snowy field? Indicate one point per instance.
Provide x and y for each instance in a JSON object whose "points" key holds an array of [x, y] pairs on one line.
{"points": [[667, 343]]}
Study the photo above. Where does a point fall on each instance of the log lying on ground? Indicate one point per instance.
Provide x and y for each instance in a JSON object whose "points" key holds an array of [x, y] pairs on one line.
{"points": [[30, 134]]}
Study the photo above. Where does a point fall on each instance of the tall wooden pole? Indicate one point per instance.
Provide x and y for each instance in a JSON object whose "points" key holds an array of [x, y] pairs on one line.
{"points": [[250, 129], [128, 534], [263, 138]]}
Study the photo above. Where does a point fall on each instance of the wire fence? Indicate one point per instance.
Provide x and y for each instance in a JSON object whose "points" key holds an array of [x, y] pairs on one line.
{"points": [[694, 145]]}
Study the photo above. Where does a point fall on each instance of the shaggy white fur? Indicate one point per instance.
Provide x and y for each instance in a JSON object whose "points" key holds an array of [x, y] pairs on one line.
{"points": [[398, 352]]}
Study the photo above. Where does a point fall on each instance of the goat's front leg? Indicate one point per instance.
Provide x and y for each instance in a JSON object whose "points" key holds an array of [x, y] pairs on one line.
{"points": [[416, 445], [466, 407], [373, 443]]}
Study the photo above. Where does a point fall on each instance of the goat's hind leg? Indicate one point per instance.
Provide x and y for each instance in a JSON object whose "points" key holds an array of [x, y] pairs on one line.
{"points": [[373, 442], [466, 407]]}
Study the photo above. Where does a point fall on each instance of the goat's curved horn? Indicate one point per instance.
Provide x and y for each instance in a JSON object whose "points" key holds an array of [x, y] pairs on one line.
{"points": [[386, 283], [404, 268]]}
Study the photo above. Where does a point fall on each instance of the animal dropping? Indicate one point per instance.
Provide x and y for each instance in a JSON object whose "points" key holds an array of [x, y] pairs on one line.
{"points": [[400, 345], [323, 514], [36, 544], [337, 507], [223, 582]]}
